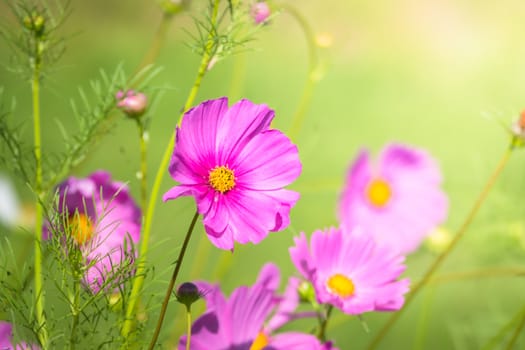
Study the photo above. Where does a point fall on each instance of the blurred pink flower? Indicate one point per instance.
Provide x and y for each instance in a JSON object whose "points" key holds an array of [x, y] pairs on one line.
{"points": [[101, 216], [239, 321], [398, 201], [236, 167], [260, 12], [6, 339], [351, 272]]}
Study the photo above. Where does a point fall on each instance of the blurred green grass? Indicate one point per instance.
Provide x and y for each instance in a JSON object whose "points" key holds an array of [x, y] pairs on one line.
{"points": [[440, 75]]}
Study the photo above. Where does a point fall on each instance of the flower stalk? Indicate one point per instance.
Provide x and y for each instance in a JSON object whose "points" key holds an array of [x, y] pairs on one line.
{"points": [[143, 164], [324, 323], [188, 332], [75, 310], [39, 292], [172, 282], [517, 332]]}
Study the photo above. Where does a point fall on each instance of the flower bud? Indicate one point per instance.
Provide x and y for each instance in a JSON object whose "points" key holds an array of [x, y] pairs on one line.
{"points": [[172, 7], [439, 240], [35, 23], [306, 292], [260, 12], [188, 293], [132, 103], [115, 302]]}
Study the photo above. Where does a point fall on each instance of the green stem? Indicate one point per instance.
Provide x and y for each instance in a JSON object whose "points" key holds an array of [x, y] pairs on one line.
{"points": [[143, 165], [476, 274], [172, 281], [441, 258], [39, 291], [188, 321], [76, 312], [139, 276], [506, 328], [313, 63], [324, 324], [517, 333], [421, 327]]}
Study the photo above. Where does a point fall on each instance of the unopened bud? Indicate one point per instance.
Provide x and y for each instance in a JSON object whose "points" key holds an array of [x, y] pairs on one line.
{"points": [[132, 103], [260, 12], [518, 131], [521, 121], [115, 302], [172, 7], [35, 23], [306, 292], [188, 293], [439, 240]]}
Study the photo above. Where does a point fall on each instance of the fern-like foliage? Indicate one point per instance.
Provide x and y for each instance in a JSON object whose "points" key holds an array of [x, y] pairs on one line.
{"points": [[93, 113], [33, 35], [15, 155], [228, 35]]}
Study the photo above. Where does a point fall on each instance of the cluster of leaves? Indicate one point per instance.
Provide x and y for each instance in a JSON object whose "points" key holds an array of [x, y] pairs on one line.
{"points": [[39, 43], [221, 38], [79, 310], [14, 154]]}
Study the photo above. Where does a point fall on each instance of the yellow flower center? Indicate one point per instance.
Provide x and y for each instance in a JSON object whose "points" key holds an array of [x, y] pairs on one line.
{"points": [[341, 285], [81, 228], [221, 178], [260, 342], [378, 192]]}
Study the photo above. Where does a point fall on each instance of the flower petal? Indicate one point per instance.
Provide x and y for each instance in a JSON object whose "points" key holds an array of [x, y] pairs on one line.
{"points": [[243, 121], [269, 161]]}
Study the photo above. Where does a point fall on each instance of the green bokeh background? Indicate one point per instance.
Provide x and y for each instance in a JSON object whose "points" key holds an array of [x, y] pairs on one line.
{"points": [[443, 75]]}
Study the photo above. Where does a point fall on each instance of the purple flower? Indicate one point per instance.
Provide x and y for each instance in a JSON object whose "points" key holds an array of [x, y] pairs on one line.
{"points": [[239, 322], [351, 271], [6, 339], [260, 12], [101, 216], [398, 201], [236, 167]]}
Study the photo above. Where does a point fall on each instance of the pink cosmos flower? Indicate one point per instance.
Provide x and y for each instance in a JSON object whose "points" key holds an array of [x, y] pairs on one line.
{"points": [[236, 167], [6, 339], [398, 200], [260, 12], [351, 272], [102, 218], [239, 322]]}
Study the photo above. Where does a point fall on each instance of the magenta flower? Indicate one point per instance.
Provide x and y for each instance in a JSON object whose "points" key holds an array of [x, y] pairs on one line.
{"points": [[6, 339], [101, 216], [351, 272], [239, 322], [260, 12], [236, 167], [398, 201]]}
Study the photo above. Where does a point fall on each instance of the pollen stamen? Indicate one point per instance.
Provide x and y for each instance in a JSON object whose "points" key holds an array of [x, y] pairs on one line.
{"points": [[260, 342], [378, 192], [80, 228], [221, 179], [340, 285]]}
